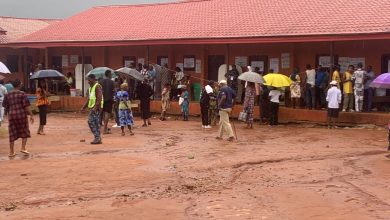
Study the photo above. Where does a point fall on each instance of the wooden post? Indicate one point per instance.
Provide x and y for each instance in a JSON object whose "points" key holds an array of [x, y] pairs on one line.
{"points": [[46, 58], [83, 70], [331, 68], [147, 54]]}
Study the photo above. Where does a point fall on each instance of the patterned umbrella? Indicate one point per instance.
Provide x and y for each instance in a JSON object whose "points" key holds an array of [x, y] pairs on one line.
{"points": [[382, 81], [3, 68], [277, 80], [41, 74], [131, 72]]}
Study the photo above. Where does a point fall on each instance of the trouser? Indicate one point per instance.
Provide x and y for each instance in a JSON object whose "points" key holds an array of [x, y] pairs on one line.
{"points": [[212, 116], [310, 96], [320, 93], [348, 101], [264, 109], [205, 114], [1, 112], [42, 114], [359, 96], [274, 108], [368, 95], [224, 123], [94, 123]]}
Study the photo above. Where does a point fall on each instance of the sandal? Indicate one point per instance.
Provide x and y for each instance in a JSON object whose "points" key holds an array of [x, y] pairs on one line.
{"points": [[123, 134], [12, 155], [25, 152], [131, 133]]}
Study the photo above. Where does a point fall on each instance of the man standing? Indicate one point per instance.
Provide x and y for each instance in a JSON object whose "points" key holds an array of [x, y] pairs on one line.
{"points": [[321, 83], [232, 78], [225, 99], [205, 104], [94, 104], [358, 77], [369, 91], [108, 87], [347, 89], [3, 92], [310, 87], [333, 98]]}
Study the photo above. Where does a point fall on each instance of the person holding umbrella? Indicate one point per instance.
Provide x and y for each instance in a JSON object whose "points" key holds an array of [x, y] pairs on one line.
{"points": [[42, 103], [17, 106], [95, 105], [144, 91], [249, 103]]}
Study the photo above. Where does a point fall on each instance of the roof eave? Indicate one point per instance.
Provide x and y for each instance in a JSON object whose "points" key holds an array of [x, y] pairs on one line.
{"points": [[236, 40]]}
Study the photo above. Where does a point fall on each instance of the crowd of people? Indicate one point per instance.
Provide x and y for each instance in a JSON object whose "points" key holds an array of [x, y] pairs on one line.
{"points": [[346, 92]]}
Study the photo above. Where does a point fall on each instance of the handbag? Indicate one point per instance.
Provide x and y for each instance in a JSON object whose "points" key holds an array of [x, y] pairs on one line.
{"points": [[181, 100], [242, 116]]}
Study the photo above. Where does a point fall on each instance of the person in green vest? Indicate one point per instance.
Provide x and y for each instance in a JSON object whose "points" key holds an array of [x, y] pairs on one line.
{"points": [[95, 105]]}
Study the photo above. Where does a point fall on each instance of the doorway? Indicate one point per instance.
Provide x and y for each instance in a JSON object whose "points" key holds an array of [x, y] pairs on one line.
{"points": [[385, 63], [214, 62]]}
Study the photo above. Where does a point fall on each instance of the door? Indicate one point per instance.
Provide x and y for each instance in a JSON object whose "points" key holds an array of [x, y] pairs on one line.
{"points": [[259, 61], [385, 63], [214, 62]]}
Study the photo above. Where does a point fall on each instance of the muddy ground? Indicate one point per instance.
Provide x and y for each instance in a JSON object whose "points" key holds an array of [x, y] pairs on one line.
{"points": [[176, 170]]}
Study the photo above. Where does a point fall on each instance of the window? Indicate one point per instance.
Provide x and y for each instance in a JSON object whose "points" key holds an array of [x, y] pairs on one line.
{"points": [[13, 63]]}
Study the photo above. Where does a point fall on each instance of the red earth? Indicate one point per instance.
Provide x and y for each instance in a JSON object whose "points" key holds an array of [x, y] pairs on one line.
{"points": [[176, 170]]}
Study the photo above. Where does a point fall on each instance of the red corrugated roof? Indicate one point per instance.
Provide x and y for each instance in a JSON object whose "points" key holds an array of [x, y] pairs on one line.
{"points": [[16, 28], [220, 19]]}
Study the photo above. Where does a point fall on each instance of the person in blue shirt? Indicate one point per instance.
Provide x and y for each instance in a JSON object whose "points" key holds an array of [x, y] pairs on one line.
{"points": [[225, 99], [322, 78]]}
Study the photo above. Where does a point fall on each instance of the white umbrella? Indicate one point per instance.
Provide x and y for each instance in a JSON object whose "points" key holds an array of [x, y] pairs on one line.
{"points": [[3, 68], [251, 77], [131, 72]]}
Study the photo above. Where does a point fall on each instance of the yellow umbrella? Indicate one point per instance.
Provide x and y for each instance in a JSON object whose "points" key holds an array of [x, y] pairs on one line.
{"points": [[277, 80]]}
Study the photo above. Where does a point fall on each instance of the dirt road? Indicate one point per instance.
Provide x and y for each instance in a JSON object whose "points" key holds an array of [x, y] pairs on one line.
{"points": [[176, 170]]}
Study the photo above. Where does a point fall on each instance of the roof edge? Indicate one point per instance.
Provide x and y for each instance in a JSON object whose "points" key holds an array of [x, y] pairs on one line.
{"points": [[38, 19], [276, 39], [151, 4]]}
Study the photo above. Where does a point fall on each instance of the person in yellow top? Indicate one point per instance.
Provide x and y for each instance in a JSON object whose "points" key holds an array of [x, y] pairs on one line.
{"points": [[336, 76], [42, 103], [347, 89]]}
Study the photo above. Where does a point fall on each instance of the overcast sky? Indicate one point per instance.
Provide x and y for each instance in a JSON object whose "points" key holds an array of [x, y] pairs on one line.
{"points": [[57, 8]]}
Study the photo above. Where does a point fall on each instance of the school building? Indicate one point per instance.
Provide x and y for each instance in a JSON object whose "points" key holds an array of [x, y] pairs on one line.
{"points": [[202, 35]]}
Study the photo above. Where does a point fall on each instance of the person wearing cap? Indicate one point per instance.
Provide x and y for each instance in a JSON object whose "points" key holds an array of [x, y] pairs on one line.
{"points": [[95, 105], [333, 98], [206, 94], [225, 99]]}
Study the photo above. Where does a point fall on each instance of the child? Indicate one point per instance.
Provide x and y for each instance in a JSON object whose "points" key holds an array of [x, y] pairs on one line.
{"points": [[124, 109], [165, 100], [184, 103], [274, 95]]}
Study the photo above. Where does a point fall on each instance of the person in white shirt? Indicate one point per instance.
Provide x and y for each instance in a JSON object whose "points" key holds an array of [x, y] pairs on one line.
{"points": [[274, 95], [333, 98], [310, 87], [3, 92]]}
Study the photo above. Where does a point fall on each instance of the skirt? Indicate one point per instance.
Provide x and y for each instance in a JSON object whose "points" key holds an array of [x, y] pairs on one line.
{"points": [[42, 114], [145, 109], [125, 117], [18, 128]]}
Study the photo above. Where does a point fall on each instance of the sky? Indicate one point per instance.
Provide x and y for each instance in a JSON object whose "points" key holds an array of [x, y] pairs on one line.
{"points": [[58, 8]]}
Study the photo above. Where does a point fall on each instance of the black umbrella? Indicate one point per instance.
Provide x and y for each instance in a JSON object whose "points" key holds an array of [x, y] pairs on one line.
{"points": [[41, 74]]}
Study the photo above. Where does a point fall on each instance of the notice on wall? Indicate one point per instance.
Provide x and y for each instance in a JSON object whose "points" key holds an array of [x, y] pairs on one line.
{"points": [[141, 61], [274, 64], [180, 65], [259, 64], [129, 63], [164, 61], [65, 60], [344, 62], [74, 59], [241, 61], [189, 62], [324, 61], [285, 59], [198, 67]]}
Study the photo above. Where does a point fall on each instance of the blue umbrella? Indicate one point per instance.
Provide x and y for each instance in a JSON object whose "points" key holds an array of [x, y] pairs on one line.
{"points": [[99, 72], [47, 74]]}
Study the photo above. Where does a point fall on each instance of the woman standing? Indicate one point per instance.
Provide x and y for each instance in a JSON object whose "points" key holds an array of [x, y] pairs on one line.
{"points": [[249, 103], [295, 88], [42, 103], [165, 100], [205, 97], [17, 106], [124, 109], [185, 103], [144, 92]]}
